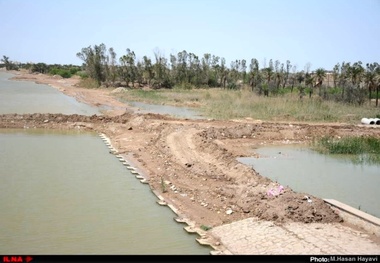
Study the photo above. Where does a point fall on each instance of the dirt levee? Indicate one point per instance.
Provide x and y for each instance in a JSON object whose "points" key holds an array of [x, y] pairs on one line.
{"points": [[192, 163]]}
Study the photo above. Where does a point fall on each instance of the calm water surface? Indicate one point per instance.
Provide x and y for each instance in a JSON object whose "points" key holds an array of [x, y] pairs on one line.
{"points": [[28, 97], [324, 176], [179, 112], [63, 193]]}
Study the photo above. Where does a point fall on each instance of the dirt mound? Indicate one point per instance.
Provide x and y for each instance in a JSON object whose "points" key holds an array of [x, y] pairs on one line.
{"points": [[291, 206], [192, 163]]}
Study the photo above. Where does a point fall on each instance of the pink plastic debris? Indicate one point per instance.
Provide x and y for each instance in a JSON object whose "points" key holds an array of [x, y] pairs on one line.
{"points": [[271, 192]]}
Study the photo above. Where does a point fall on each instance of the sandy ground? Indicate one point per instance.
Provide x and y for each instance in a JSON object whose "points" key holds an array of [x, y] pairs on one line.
{"points": [[192, 163]]}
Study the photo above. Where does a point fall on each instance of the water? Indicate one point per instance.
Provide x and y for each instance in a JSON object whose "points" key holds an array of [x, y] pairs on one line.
{"points": [[324, 176], [63, 193], [27, 97], [179, 112]]}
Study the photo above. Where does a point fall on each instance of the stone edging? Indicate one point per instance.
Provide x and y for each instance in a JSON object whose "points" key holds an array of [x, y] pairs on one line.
{"points": [[356, 217], [203, 239]]}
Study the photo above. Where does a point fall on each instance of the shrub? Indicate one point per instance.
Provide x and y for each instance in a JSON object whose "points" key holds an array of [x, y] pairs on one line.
{"points": [[88, 83], [205, 228]]}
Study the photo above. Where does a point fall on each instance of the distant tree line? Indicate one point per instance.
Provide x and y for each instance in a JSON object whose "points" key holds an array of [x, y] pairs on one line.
{"points": [[346, 82], [9, 65], [65, 71]]}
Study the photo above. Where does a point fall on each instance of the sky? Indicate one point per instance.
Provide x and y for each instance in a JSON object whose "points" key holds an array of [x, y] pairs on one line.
{"points": [[321, 33]]}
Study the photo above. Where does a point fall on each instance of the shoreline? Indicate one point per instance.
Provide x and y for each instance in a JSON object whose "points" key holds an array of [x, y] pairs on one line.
{"points": [[70, 88], [200, 168], [216, 248]]}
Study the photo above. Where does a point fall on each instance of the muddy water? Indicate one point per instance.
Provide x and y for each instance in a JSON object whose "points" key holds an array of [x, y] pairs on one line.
{"points": [[28, 97], [64, 193], [324, 176]]}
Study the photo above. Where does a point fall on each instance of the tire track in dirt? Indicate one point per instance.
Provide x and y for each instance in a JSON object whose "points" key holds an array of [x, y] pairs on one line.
{"points": [[182, 147]]}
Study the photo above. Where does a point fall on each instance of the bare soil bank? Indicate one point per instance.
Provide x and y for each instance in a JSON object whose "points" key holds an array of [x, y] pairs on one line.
{"points": [[192, 163]]}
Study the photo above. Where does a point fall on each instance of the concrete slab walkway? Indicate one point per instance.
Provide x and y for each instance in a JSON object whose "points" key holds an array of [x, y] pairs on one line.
{"points": [[256, 237]]}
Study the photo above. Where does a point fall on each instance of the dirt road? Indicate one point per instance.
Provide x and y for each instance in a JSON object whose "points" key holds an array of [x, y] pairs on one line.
{"points": [[192, 163]]}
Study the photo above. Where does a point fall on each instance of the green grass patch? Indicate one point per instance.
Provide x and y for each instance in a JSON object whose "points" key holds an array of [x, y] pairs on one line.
{"points": [[163, 185], [363, 149], [205, 228]]}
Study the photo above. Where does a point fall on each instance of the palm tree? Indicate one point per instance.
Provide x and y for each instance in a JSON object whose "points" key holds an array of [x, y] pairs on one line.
{"points": [[309, 83], [320, 74], [300, 77], [377, 82], [7, 63], [335, 74], [343, 76], [356, 72], [369, 78], [268, 73]]}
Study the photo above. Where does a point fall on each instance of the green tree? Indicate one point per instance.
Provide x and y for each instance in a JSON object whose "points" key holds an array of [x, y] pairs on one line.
{"points": [[111, 67], [320, 75], [309, 83], [300, 78], [243, 69], [343, 76], [182, 67], [335, 74], [223, 72], [293, 77], [214, 80], [128, 68], [278, 73], [233, 74], [8, 64], [355, 73], [286, 75], [161, 71], [254, 73], [268, 72], [139, 73], [377, 81], [94, 59], [40, 68], [148, 72], [206, 68], [370, 78]]}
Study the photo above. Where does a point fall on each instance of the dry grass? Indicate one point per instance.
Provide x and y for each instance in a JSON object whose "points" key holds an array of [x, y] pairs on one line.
{"points": [[232, 104]]}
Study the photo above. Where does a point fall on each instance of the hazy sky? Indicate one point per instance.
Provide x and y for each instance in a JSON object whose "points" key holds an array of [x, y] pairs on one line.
{"points": [[320, 32]]}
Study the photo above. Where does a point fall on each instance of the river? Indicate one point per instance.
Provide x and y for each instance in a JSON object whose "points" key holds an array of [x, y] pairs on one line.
{"points": [[62, 192]]}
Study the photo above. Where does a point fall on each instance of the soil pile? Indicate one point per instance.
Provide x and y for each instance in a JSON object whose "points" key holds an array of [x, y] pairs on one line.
{"points": [[193, 163]]}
